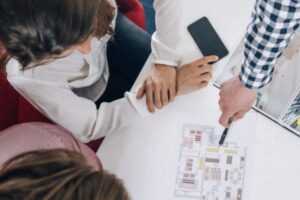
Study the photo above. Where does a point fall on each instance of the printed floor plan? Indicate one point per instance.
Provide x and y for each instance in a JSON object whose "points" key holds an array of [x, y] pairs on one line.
{"points": [[206, 170]]}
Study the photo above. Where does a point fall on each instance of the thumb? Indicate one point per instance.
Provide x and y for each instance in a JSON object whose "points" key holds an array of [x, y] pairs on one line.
{"points": [[141, 92], [224, 119], [239, 115]]}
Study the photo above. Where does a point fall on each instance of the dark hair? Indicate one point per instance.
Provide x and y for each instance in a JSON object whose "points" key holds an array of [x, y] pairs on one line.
{"points": [[35, 30], [57, 174]]}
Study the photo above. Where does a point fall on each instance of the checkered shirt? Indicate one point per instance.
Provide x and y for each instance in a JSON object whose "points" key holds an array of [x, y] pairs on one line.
{"points": [[273, 25]]}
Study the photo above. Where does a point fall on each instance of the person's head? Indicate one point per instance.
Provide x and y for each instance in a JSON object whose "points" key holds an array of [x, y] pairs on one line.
{"points": [[36, 31], [57, 174]]}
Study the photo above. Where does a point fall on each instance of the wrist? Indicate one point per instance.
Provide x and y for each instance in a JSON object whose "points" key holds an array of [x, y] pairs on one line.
{"points": [[164, 65], [246, 84], [242, 87]]}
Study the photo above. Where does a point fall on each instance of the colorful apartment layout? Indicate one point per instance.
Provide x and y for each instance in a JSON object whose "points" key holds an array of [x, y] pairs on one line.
{"points": [[206, 170]]}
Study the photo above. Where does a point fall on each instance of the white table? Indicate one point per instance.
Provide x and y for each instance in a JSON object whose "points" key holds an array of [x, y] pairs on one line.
{"points": [[147, 145]]}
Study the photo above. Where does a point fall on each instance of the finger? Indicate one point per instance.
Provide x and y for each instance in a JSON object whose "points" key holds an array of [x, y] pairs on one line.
{"points": [[141, 91], [203, 84], [165, 96], [222, 85], [224, 119], [149, 97], [205, 60], [239, 115], [221, 105], [157, 96], [206, 77], [172, 92], [204, 69], [221, 93]]}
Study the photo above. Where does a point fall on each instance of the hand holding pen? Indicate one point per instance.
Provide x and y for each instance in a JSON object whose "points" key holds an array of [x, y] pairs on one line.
{"points": [[225, 132]]}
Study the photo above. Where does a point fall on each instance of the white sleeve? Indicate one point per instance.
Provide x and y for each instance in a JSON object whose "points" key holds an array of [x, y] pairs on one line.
{"points": [[78, 115], [166, 37]]}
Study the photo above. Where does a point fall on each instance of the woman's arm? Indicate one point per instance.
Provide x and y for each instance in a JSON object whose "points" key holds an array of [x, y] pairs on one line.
{"points": [[160, 86], [78, 115]]}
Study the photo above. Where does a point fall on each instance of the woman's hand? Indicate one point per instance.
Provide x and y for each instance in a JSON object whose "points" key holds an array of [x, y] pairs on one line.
{"points": [[195, 75], [159, 87]]}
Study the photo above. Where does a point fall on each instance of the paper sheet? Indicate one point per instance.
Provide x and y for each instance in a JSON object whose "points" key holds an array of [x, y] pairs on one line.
{"points": [[147, 155], [206, 170]]}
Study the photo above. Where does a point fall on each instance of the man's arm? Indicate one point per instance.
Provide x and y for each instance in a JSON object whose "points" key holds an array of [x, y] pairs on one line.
{"points": [[160, 86], [166, 37], [273, 25]]}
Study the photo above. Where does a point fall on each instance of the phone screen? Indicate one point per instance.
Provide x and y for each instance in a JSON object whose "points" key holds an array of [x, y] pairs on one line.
{"points": [[207, 38]]}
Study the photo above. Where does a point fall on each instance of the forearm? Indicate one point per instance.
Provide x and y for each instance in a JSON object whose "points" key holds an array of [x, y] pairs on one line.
{"points": [[166, 38], [78, 115], [271, 30]]}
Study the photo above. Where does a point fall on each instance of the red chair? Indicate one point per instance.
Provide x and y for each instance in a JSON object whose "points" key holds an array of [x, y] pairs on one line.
{"points": [[14, 109], [134, 10]]}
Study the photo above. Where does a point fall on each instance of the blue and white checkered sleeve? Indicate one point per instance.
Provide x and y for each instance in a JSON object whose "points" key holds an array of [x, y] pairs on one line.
{"points": [[273, 25]]}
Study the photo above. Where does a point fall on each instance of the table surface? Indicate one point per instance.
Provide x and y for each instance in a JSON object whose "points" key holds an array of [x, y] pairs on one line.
{"points": [[136, 151]]}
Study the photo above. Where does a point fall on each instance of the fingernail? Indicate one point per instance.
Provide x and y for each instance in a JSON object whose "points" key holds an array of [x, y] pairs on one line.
{"points": [[216, 57]]}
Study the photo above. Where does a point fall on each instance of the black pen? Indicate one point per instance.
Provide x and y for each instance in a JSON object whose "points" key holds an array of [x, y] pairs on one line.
{"points": [[221, 142]]}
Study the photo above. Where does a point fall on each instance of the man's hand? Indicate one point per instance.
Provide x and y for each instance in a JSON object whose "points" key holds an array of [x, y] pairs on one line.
{"points": [[235, 100], [159, 87], [195, 75]]}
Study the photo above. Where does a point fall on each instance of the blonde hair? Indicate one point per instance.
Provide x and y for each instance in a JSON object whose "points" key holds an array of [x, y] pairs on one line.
{"points": [[57, 174]]}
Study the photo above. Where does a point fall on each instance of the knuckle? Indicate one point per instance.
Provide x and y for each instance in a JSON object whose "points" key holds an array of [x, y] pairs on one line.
{"points": [[210, 76], [226, 108], [199, 84], [170, 83], [157, 85], [194, 70], [205, 83], [149, 85], [209, 67], [221, 121], [164, 85]]}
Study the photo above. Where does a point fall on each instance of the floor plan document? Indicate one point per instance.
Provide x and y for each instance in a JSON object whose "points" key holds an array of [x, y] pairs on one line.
{"points": [[208, 171]]}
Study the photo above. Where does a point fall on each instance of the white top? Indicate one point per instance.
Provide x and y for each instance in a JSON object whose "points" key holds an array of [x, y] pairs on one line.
{"points": [[166, 39], [65, 90]]}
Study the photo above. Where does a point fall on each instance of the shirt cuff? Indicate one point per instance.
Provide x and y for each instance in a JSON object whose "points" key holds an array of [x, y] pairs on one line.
{"points": [[162, 54], [253, 80], [139, 105]]}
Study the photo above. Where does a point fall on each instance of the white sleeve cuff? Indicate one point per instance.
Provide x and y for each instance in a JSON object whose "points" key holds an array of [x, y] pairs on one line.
{"points": [[163, 54]]}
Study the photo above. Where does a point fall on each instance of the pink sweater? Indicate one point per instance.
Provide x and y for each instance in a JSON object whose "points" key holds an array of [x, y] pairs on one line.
{"points": [[34, 136]]}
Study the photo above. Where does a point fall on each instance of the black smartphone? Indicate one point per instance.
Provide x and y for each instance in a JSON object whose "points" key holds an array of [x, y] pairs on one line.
{"points": [[207, 38]]}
